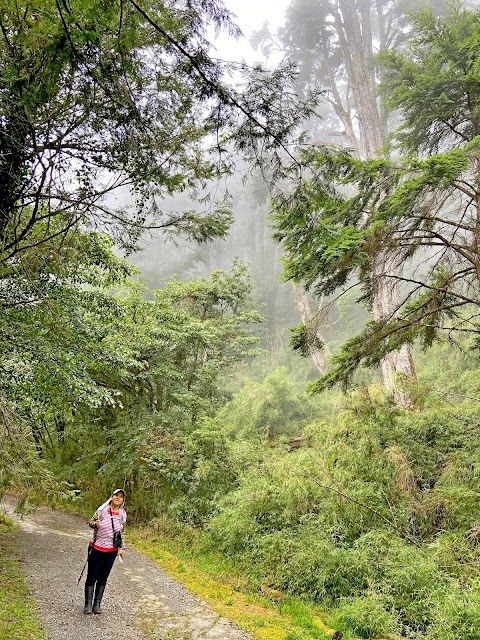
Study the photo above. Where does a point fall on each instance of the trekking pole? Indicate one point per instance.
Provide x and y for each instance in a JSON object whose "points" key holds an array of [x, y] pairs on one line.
{"points": [[90, 547], [81, 575]]}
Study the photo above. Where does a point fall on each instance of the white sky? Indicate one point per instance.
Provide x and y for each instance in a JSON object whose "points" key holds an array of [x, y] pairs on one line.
{"points": [[251, 14]]}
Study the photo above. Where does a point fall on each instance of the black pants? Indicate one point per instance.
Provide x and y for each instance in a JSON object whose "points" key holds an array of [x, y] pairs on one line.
{"points": [[100, 564]]}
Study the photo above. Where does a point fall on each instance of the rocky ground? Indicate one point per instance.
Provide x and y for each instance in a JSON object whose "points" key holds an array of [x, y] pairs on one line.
{"points": [[140, 603]]}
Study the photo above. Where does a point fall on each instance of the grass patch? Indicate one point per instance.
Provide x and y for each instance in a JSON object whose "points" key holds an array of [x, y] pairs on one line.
{"points": [[277, 617], [19, 619]]}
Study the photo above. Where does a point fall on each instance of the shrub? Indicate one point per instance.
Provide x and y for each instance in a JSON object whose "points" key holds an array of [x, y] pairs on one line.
{"points": [[271, 409], [370, 616]]}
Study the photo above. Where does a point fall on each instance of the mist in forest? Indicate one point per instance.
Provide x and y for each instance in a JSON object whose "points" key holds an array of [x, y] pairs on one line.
{"points": [[349, 116]]}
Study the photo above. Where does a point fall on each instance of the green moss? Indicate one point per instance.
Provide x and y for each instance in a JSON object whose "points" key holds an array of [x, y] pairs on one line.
{"points": [[229, 596]]}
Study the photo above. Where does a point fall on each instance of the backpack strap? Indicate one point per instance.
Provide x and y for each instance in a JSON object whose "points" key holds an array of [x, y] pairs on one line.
{"points": [[121, 520]]}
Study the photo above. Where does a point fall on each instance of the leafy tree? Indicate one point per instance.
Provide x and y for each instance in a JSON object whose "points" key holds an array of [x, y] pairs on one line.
{"points": [[96, 99], [104, 105], [55, 345], [168, 358], [422, 209]]}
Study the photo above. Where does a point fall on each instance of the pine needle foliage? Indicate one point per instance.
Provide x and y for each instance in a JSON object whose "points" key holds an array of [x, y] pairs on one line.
{"points": [[417, 209], [99, 100]]}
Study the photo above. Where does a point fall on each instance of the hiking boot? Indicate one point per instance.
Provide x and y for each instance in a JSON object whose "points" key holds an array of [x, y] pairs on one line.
{"points": [[98, 598], [88, 599]]}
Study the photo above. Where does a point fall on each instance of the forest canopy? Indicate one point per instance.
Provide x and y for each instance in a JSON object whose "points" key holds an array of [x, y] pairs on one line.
{"points": [[107, 110], [97, 99]]}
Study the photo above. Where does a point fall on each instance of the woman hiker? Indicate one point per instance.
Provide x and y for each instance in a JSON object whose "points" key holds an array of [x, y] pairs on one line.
{"points": [[105, 544]]}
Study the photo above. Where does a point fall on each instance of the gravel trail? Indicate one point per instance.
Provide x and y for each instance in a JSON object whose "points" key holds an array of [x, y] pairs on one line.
{"points": [[141, 602]]}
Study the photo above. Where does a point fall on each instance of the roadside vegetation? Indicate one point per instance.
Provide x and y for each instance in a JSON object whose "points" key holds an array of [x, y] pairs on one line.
{"points": [[370, 526], [266, 614], [19, 619]]}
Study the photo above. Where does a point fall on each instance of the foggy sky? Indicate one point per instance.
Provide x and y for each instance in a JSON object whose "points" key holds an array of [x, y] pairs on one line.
{"points": [[250, 16]]}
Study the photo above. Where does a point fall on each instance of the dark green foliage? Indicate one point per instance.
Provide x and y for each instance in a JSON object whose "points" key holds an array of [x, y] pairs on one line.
{"points": [[304, 340], [56, 345], [150, 431], [125, 101], [354, 223], [80, 99], [436, 80]]}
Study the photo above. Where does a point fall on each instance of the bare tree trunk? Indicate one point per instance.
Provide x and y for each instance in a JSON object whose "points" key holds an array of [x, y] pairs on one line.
{"points": [[477, 224], [319, 358], [355, 35], [386, 302]]}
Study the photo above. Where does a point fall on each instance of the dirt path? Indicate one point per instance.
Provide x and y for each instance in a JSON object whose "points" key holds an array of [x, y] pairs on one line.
{"points": [[140, 603]]}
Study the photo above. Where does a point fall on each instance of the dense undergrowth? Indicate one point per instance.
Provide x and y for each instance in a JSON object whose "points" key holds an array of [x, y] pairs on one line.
{"points": [[264, 613], [374, 518], [346, 502], [314, 522]]}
